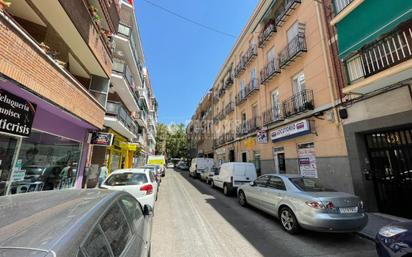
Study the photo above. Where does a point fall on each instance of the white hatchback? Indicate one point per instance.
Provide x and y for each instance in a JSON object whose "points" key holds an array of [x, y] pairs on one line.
{"points": [[138, 182]]}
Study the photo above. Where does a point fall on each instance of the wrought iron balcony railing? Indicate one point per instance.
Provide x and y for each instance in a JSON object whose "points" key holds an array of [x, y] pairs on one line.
{"points": [[294, 49], [221, 115], [229, 136], [230, 107], [380, 55], [251, 87], [228, 81], [249, 56], [273, 114], [253, 124], [298, 103], [269, 71], [266, 33], [117, 110], [242, 129], [284, 10]]}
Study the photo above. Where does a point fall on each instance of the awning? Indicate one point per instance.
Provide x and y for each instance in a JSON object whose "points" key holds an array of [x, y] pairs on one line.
{"points": [[369, 21]]}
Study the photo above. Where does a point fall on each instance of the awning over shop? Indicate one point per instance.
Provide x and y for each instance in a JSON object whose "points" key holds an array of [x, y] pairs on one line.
{"points": [[369, 21]]}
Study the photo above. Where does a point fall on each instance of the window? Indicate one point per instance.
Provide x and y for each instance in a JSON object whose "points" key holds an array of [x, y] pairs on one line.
{"points": [[126, 179], [116, 230], [271, 54], [253, 74], [261, 181], [95, 245], [132, 211], [309, 185], [299, 83], [276, 183], [293, 31], [242, 88]]}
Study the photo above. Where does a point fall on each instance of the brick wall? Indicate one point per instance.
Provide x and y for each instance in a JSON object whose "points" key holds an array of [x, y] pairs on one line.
{"points": [[27, 65]]}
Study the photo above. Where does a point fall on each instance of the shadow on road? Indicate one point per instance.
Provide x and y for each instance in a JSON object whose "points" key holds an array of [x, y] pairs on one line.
{"points": [[265, 233]]}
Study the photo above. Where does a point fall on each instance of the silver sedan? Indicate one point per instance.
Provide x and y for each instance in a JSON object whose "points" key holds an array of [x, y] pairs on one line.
{"points": [[301, 202]]}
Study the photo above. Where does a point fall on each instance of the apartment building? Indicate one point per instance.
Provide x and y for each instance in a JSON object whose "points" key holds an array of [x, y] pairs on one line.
{"points": [[376, 55], [274, 99], [200, 129], [55, 68], [129, 99]]}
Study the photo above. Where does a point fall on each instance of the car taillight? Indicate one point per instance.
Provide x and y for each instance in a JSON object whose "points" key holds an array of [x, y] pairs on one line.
{"points": [[329, 205], [360, 204], [148, 188], [320, 205]]}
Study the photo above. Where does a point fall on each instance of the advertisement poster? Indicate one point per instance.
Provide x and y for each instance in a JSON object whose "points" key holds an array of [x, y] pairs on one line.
{"points": [[16, 114], [292, 130], [103, 139], [307, 162], [261, 137]]}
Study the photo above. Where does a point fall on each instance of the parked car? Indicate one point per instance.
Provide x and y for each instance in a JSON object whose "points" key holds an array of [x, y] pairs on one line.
{"points": [[395, 240], [301, 202], [138, 182], [182, 165], [198, 165], [67, 223], [170, 165], [232, 175], [156, 172], [157, 160], [207, 174]]}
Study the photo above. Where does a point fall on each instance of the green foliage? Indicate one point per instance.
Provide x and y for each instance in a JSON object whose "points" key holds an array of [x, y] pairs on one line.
{"points": [[171, 140]]}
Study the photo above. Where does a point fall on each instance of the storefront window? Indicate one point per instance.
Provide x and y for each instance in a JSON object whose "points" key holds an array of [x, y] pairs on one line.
{"points": [[8, 146], [45, 162]]}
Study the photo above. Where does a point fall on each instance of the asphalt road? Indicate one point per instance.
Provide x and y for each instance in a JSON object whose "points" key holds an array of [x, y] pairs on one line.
{"points": [[192, 219]]}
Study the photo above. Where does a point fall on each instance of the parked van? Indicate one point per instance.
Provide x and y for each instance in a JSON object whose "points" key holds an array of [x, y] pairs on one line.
{"points": [[233, 175], [198, 165]]}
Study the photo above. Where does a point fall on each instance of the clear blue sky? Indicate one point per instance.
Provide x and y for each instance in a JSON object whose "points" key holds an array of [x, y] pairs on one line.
{"points": [[183, 59]]}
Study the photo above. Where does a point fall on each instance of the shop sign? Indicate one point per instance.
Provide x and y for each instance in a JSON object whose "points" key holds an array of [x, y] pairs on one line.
{"points": [[16, 114], [221, 151], [18, 175], [261, 137], [99, 138], [249, 143], [292, 130], [307, 160]]}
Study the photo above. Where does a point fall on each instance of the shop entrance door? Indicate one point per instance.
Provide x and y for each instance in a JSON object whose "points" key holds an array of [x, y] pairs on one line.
{"points": [[231, 155], [8, 149], [390, 155], [279, 158]]}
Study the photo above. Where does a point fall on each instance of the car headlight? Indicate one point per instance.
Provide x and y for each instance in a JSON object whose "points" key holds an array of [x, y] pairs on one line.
{"points": [[390, 231]]}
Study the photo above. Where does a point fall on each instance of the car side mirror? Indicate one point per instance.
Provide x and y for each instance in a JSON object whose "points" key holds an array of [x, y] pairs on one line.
{"points": [[147, 210], [252, 183]]}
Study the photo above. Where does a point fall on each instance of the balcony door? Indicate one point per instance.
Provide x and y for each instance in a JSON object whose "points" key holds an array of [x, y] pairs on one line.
{"points": [[244, 126], [254, 116], [275, 105], [242, 88], [299, 85]]}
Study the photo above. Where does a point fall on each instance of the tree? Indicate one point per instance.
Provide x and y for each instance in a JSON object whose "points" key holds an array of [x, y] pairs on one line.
{"points": [[172, 140]]}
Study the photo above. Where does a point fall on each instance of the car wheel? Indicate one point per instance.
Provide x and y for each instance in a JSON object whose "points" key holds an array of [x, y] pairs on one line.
{"points": [[289, 221], [225, 190], [242, 199], [212, 185]]}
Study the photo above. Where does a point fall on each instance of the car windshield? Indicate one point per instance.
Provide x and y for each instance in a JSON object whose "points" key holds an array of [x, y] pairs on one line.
{"points": [[33, 170], [126, 179], [309, 185]]}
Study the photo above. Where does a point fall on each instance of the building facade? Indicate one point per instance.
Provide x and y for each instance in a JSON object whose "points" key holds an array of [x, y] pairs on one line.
{"points": [[129, 100], [55, 69], [274, 99], [376, 111]]}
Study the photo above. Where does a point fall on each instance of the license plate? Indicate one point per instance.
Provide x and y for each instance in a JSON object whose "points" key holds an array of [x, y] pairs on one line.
{"points": [[348, 210]]}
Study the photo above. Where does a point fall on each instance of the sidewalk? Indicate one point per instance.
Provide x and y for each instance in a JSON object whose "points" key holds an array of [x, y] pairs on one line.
{"points": [[376, 221]]}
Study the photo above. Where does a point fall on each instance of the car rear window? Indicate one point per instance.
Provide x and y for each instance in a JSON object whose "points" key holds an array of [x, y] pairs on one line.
{"points": [[126, 179], [309, 185]]}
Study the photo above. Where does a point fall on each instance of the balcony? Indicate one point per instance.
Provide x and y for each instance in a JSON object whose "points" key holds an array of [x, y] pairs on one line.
{"points": [[221, 140], [247, 58], [229, 137], [251, 87], [228, 81], [299, 103], [266, 34], [125, 42], [111, 13], [284, 10], [269, 71], [230, 107], [273, 115], [215, 99], [339, 5], [143, 95], [390, 57], [141, 118], [293, 50], [240, 97], [119, 119], [253, 124], [242, 129], [221, 115], [123, 83]]}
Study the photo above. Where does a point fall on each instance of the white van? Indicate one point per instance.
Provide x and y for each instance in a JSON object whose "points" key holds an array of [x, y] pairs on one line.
{"points": [[198, 165], [233, 175]]}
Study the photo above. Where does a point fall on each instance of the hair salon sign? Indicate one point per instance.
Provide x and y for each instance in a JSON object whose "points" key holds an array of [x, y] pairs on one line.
{"points": [[292, 130], [16, 114]]}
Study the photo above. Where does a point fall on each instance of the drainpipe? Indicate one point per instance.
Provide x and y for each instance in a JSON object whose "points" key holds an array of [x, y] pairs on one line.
{"points": [[326, 60]]}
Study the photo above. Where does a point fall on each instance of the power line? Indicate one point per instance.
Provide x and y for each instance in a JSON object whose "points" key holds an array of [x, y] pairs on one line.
{"points": [[189, 20]]}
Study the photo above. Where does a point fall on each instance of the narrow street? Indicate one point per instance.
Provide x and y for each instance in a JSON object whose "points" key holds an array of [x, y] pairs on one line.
{"points": [[192, 219]]}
